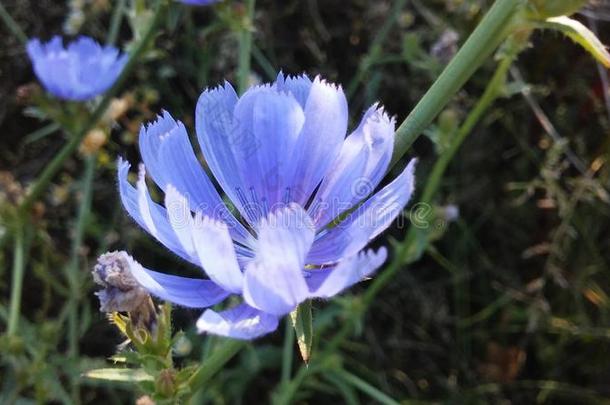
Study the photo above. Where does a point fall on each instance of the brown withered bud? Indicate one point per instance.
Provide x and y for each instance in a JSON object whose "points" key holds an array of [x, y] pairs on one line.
{"points": [[121, 292], [94, 140], [446, 46], [26, 93]]}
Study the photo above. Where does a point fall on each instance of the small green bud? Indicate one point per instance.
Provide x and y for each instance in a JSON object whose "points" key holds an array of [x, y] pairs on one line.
{"points": [[166, 383], [543, 9]]}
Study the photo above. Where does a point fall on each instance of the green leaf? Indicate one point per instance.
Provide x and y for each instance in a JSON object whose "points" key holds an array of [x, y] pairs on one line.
{"points": [[119, 374], [302, 321], [580, 34]]}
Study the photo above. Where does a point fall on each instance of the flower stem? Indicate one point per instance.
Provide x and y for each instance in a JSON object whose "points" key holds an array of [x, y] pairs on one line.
{"points": [[73, 270], [115, 22], [486, 37], [374, 52], [17, 284], [245, 48], [12, 25], [53, 167], [287, 352], [213, 364]]}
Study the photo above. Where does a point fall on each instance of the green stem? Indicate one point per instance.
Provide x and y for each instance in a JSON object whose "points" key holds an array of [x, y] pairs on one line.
{"points": [[73, 276], [17, 284], [486, 37], [365, 387], [376, 47], [213, 364], [287, 391], [115, 22], [245, 48], [53, 167], [288, 351], [12, 26]]}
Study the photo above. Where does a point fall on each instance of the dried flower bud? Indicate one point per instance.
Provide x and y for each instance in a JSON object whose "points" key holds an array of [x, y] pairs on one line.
{"points": [[121, 292], [446, 46], [10, 189], [94, 140], [145, 400], [117, 108], [25, 94]]}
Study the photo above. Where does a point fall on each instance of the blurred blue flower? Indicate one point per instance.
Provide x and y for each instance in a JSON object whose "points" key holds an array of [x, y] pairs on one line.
{"points": [[79, 72], [280, 154], [199, 2]]}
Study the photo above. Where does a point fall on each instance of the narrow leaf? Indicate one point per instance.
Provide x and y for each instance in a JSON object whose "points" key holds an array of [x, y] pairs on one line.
{"points": [[302, 321], [580, 34], [119, 374]]}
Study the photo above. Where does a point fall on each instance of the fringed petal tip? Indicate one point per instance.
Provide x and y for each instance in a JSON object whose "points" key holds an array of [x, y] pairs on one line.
{"points": [[241, 322], [318, 80], [349, 271]]}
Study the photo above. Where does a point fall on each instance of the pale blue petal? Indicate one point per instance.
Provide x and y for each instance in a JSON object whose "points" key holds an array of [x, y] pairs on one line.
{"points": [[320, 139], [216, 253], [366, 222], [188, 292], [218, 134], [365, 156], [326, 283], [272, 121], [274, 280], [148, 214], [78, 72], [169, 158], [241, 322], [180, 219], [298, 86]]}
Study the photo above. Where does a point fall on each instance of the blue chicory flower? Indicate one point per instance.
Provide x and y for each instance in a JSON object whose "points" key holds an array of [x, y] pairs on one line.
{"points": [[280, 154], [79, 72]]}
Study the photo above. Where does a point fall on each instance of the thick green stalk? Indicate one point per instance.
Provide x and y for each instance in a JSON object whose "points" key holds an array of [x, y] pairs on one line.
{"points": [[245, 49], [486, 37], [53, 167], [17, 284], [12, 25], [221, 356]]}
